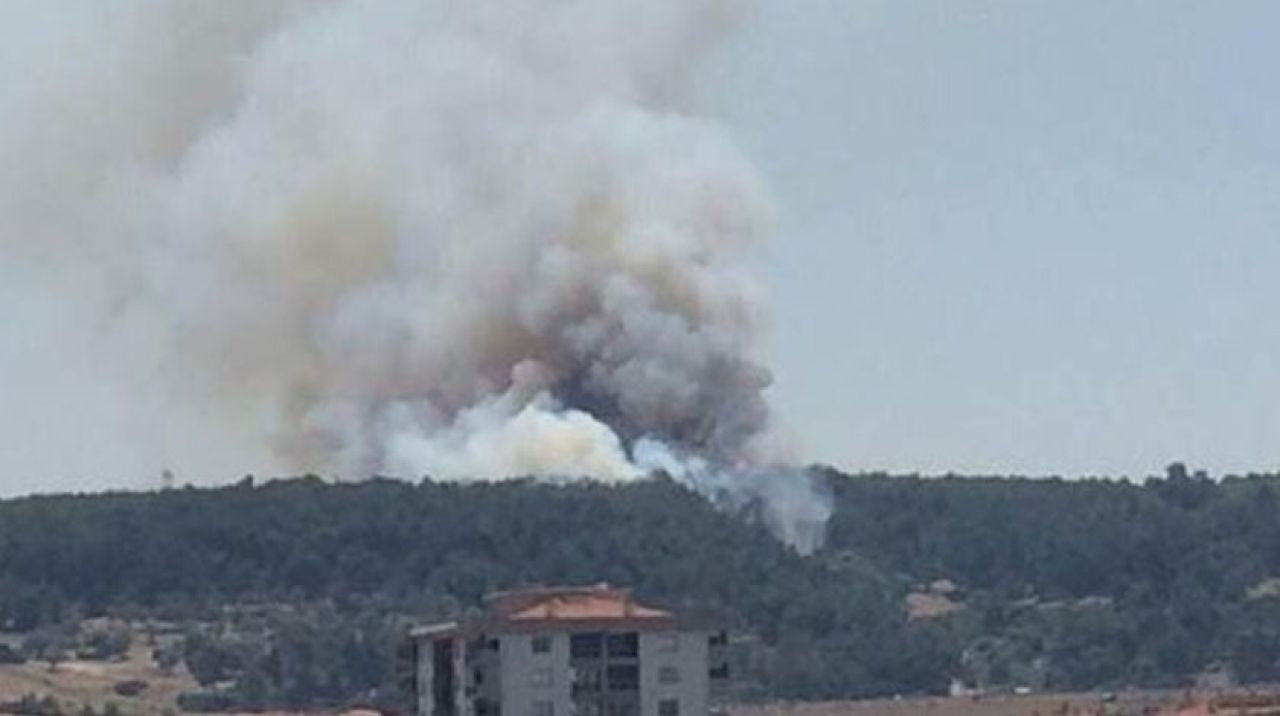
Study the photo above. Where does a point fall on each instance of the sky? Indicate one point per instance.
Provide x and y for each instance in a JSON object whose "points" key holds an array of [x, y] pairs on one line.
{"points": [[1011, 237], [1020, 237]]}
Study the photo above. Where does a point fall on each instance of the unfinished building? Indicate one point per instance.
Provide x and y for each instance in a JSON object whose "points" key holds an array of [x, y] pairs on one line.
{"points": [[568, 651]]}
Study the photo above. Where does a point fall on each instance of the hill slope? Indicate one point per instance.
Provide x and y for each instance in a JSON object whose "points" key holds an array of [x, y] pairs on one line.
{"points": [[1048, 583]]}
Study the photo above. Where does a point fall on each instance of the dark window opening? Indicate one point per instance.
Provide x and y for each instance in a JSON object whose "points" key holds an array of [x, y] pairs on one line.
{"points": [[407, 667], [668, 707], [442, 687], [587, 680], [586, 646], [623, 677], [623, 646]]}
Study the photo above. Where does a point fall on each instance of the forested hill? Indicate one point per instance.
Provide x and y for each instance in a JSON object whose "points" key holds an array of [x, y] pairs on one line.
{"points": [[1060, 539], [1045, 583]]}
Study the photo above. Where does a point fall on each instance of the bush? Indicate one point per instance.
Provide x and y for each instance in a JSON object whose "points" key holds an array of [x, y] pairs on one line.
{"points": [[204, 701], [104, 644], [32, 705], [132, 687], [166, 658], [9, 655], [211, 659], [48, 644]]}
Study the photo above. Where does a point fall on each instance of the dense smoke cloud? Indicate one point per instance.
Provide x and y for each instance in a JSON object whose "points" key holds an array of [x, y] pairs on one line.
{"points": [[472, 240]]}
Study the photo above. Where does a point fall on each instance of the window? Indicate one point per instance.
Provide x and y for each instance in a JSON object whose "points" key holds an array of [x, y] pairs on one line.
{"points": [[668, 675], [586, 646], [543, 708], [669, 707], [669, 643], [623, 646], [719, 672], [542, 677], [623, 677], [587, 679], [720, 638], [542, 645]]}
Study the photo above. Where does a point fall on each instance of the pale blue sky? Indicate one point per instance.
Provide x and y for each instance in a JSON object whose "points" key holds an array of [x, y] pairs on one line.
{"points": [[1031, 237]]}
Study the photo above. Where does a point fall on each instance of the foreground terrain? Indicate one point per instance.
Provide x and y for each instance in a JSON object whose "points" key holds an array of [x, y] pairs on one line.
{"points": [[1255, 702], [77, 684]]}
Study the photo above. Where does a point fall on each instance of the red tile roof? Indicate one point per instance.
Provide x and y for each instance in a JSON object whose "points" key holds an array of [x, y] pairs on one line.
{"points": [[595, 603], [597, 607]]}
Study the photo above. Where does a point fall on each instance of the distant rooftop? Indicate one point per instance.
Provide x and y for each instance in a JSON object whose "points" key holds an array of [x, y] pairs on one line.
{"points": [[555, 608], [593, 603]]}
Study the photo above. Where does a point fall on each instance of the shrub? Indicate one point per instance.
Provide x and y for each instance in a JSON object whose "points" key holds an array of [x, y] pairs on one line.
{"points": [[204, 701], [32, 705], [9, 655], [132, 687]]}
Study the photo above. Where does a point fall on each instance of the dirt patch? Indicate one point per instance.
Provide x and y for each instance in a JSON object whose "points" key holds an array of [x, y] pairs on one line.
{"points": [[76, 683], [1129, 703]]}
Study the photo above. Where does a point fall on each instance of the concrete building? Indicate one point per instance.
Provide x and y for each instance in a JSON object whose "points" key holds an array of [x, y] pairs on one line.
{"points": [[578, 651]]}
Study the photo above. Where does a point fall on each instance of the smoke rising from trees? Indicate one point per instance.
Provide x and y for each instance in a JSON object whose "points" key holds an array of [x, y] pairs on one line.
{"points": [[472, 240]]}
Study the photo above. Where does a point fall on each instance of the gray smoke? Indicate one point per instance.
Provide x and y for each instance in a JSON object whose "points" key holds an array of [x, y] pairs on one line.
{"points": [[469, 239]]}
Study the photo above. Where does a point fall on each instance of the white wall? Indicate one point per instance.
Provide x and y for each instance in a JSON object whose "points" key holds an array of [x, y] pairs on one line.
{"points": [[461, 678], [689, 659], [519, 667]]}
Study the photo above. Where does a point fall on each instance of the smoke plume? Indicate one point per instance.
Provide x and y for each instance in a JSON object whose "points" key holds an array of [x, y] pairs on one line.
{"points": [[467, 239]]}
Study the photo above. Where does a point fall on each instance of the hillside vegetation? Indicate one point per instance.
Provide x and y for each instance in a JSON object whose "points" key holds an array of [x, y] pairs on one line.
{"points": [[292, 593]]}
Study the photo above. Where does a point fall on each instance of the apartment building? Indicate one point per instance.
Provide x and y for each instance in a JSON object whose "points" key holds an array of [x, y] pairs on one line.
{"points": [[568, 651]]}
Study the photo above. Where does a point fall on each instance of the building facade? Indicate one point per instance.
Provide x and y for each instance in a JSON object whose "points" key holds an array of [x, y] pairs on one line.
{"points": [[575, 651]]}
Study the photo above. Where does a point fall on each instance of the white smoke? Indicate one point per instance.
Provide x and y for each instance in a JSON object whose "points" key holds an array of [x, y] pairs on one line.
{"points": [[794, 504], [471, 239]]}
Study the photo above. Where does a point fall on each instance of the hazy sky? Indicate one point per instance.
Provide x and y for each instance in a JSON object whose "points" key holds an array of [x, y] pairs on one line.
{"points": [[1032, 237], [1021, 236]]}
